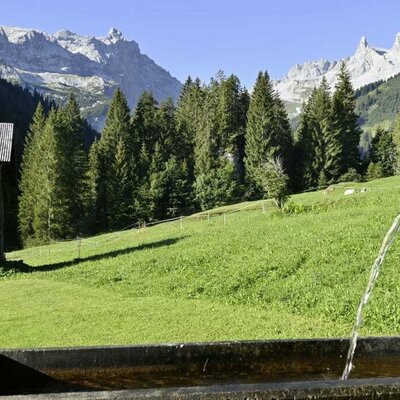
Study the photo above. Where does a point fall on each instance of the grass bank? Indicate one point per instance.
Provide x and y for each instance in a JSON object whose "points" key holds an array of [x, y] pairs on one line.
{"points": [[234, 273]]}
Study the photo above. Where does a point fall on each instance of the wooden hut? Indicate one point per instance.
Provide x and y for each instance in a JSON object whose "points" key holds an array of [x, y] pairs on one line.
{"points": [[6, 143]]}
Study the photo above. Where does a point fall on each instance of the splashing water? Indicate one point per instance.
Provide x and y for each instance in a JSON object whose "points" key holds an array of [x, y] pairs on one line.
{"points": [[387, 242]]}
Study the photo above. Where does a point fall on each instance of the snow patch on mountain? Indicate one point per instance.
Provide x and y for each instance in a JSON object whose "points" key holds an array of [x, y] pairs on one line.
{"points": [[368, 64], [92, 67]]}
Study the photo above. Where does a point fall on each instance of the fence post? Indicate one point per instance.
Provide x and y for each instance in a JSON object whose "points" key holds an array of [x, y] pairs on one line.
{"points": [[263, 207], [208, 217], [224, 219], [181, 222], [79, 247]]}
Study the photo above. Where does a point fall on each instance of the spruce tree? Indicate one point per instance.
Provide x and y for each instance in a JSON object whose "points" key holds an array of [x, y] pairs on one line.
{"points": [[244, 102], [48, 215], [216, 187], [115, 155], [17, 105], [206, 151], [189, 119], [141, 196], [121, 207], [396, 141], [374, 171], [29, 174], [73, 162], [260, 124], [327, 145], [178, 187], [328, 136], [157, 192], [215, 166], [95, 212], [169, 189], [211, 120], [274, 181], [268, 133], [146, 130], [383, 152], [228, 114], [145, 123], [304, 151], [283, 137], [168, 139], [52, 176], [232, 110], [345, 121]]}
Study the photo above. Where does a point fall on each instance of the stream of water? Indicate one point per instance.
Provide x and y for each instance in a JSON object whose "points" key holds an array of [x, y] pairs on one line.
{"points": [[387, 242]]}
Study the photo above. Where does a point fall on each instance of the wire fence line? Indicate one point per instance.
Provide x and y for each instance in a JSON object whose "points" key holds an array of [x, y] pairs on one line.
{"points": [[112, 238]]}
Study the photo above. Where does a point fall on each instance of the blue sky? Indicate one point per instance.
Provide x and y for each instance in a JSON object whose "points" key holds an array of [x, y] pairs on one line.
{"points": [[239, 36]]}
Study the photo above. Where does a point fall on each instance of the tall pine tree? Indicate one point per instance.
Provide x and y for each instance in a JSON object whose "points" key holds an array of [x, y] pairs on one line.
{"points": [[145, 123], [396, 141], [113, 180], [232, 110], [268, 132], [52, 176], [73, 162], [29, 173], [383, 151], [49, 216], [206, 150], [304, 151], [327, 145], [189, 117], [345, 121]]}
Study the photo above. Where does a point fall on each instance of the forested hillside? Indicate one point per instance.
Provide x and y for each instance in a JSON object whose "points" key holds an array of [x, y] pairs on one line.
{"points": [[218, 145], [17, 105], [378, 104]]}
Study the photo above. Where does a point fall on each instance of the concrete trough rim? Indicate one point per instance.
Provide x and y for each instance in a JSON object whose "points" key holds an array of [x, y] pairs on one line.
{"points": [[249, 352], [190, 344], [372, 388]]}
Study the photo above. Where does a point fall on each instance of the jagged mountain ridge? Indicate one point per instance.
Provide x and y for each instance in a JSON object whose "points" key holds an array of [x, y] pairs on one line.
{"points": [[367, 65], [91, 67]]}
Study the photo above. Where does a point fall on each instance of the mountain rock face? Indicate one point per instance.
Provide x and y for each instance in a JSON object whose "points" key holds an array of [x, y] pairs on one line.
{"points": [[367, 65], [90, 67]]}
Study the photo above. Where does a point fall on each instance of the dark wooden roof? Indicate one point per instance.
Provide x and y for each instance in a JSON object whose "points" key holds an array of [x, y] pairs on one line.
{"points": [[6, 139]]}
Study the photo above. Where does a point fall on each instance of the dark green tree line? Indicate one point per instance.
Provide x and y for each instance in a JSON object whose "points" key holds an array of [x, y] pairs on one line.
{"points": [[217, 145], [328, 137], [268, 134], [52, 184]]}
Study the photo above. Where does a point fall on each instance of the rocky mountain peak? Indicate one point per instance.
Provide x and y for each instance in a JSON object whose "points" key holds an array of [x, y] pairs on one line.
{"points": [[64, 34], [115, 35], [363, 44], [93, 67], [368, 64], [396, 43]]}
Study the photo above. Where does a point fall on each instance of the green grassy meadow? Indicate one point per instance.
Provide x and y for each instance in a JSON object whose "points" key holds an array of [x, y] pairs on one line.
{"points": [[246, 275]]}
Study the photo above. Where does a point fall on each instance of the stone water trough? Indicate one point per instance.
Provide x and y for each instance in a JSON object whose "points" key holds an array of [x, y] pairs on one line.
{"points": [[273, 369]]}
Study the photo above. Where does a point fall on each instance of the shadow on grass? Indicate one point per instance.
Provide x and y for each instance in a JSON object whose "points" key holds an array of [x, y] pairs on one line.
{"points": [[12, 267]]}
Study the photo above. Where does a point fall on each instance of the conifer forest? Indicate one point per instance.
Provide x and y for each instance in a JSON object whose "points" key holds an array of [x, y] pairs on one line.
{"points": [[219, 144]]}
